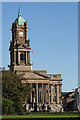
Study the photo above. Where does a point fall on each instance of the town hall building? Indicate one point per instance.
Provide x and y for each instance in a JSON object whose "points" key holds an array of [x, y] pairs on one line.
{"points": [[46, 89]]}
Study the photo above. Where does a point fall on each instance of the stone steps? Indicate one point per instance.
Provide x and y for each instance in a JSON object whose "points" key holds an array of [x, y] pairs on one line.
{"points": [[56, 108]]}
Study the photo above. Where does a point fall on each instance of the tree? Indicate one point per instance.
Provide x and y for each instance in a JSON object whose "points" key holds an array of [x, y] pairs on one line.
{"points": [[7, 106], [14, 90]]}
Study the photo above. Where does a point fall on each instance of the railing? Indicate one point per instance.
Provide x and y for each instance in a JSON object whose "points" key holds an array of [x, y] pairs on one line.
{"points": [[54, 75]]}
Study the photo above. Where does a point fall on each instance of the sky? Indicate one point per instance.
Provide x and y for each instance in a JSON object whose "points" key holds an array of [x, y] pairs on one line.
{"points": [[53, 33]]}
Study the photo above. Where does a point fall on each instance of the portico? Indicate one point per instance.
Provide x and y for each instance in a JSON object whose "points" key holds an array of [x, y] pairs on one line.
{"points": [[45, 89], [43, 93]]}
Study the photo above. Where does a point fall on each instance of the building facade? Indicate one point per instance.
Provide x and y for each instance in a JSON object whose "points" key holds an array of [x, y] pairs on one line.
{"points": [[68, 101], [77, 99], [46, 88], [71, 100]]}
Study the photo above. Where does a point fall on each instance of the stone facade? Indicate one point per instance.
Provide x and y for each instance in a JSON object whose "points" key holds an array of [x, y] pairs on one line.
{"points": [[77, 99], [68, 101], [71, 100], [46, 89]]}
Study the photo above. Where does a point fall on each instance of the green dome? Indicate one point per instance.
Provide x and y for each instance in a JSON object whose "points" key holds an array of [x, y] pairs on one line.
{"points": [[19, 19]]}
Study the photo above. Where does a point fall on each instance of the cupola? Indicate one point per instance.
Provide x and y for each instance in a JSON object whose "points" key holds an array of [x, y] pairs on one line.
{"points": [[19, 19]]}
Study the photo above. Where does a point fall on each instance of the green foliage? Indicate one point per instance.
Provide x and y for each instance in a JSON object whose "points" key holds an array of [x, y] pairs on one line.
{"points": [[19, 109], [14, 90], [7, 106]]}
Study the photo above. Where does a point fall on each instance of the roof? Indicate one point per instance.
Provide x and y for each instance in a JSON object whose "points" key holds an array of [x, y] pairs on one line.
{"points": [[19, 19], [36, 75], [67, 94]]}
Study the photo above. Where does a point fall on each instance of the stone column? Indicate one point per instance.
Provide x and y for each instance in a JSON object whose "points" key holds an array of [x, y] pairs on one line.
{"points": [[43, 93], [27, 34], [26, 31], [26, 57], [51, 93], [60, 90], [14, 57], [31, 92], [57, 94], [48, 94], [40, 96], [37, 93]]}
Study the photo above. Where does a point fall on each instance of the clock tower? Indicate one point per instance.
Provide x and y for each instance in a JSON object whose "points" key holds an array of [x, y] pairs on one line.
{"points": [[20, 45]]}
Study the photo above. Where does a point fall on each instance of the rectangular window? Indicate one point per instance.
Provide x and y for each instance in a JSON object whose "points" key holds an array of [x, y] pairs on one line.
{"points": [[54, 98]]}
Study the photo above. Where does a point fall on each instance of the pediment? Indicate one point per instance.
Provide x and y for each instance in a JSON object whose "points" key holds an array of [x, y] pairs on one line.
{"points": [[22, 46], [32, 75]]}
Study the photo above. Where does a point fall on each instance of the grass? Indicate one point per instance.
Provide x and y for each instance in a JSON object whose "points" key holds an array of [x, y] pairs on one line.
{"points": [[43, 115]]}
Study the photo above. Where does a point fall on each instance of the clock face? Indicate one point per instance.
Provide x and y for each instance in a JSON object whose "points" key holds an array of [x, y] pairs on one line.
{"points": [[21, 33]]}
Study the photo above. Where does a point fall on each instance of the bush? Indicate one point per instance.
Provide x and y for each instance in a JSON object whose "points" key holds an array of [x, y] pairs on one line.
{"points": [[7, 106], [19, 109]]}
